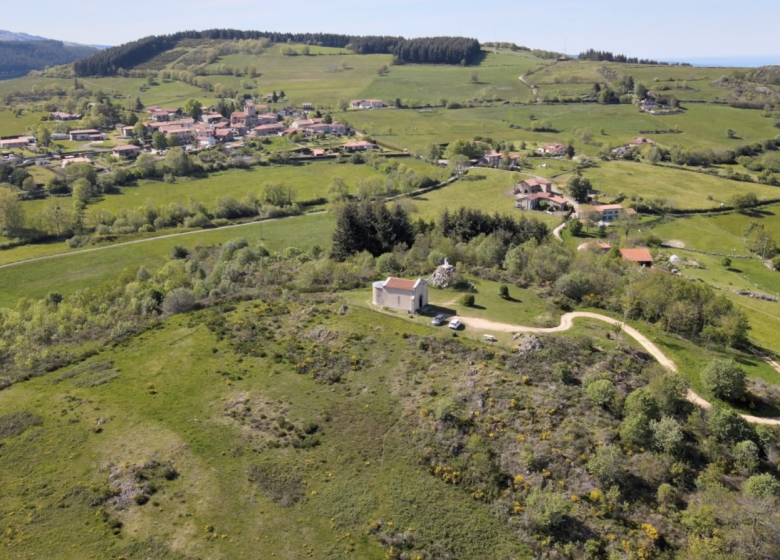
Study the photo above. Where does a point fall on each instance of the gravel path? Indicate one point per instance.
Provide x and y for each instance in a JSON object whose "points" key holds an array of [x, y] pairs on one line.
{"points": [[647, 344]]}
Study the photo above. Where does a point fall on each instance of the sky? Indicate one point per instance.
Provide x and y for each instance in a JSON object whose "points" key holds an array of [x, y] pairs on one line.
{"points": [[661, 29]]}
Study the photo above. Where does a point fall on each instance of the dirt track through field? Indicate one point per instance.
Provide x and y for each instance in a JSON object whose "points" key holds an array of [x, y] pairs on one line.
{"points": [[567, 322]]}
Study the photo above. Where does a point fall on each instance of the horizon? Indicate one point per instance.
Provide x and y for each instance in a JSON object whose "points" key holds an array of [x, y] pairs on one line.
{"points": [[606, 25]]}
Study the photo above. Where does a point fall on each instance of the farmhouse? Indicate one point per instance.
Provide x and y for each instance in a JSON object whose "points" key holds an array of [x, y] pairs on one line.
{"points": [[126, 131], [531, 186], [641, 141], [212, 118], [554, 149], [180, 132], [493, 159], [397, 293], [606, 213], [638, 255], [532, 201], [367, 104], [128, 151], [224, 135], [14, 143], [60, 116], [68, 161], [358, 145], [268, 129], [87, 134]]}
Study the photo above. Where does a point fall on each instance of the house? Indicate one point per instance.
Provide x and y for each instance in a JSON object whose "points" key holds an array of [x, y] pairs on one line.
{"points": [[531, 186], [224, 135], [125, 130], [267, 118], [160, 116], [606, 213], [531, 201], [212, 118], [554, 149], [87, 134], [304, 123], [318, 152], [367, 104], [307, 106], [206, 142], [398, 293], [14, 143], [68, 161], [128, 151], [203, 130], [181, 132], [358, 145], [268, 129], [60, 116], [286, 112], [638, 255], [493, 159], [324, 128]]}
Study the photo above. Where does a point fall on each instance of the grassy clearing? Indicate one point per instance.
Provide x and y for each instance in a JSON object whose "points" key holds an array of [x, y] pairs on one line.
{"points": [[360, 471], [16, 126], [683, 189], [490, 193], [70, 273], [310, 180]]}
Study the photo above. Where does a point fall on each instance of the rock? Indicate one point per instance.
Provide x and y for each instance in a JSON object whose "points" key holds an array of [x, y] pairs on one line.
{"points": [[444, 276], [527, 343]]}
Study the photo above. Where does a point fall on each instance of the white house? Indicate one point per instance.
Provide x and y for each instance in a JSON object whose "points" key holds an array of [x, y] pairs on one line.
{"points": [[367, 104], [398, 293], [553, 149], [88, 134]]}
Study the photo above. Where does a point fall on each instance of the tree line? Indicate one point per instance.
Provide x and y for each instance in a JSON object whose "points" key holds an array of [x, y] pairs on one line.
{"points": [[17, 58], [606, 56], [438, 50]]}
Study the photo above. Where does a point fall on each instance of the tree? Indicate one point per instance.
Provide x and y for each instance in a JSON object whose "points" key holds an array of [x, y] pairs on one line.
{"points": [[278, 194], [667, 435], [474, 78], [606, 464], [159, 142], [459, 164], [726, 426], [432, 152], [743, 201], [762, 486], [575, 227], [76, 171], [177, 162], [601, 392], [343, 104], [546, 511], [578, 188], [467, 300], [43, 136], [338, 191], [12, 216], [139, 130], [635, 429], [327, 119], [82, 191], [193, 108], [503, 291], [145, 165], [305, 51], [724, 379], [747, 456]]}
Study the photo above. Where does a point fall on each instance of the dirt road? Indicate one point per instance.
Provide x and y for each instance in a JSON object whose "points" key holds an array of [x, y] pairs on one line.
{"points": [[567, 321]]}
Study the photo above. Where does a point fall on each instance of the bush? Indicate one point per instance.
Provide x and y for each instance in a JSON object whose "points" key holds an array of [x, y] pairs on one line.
{"points": [[601, 392], [198, 221], [503, 291], [724, 379], [726, 426], [642, 402], [546, 512], [179, 252], [747, 456], [16, 423], [468, 300], [606, 464], [179, 300], [762, 486], [667, 435], [387, 263], [635, 429]]}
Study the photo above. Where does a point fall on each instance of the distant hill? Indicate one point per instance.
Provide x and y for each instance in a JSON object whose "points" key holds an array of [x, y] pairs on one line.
{"points": [[20, 56], [13, 36]]}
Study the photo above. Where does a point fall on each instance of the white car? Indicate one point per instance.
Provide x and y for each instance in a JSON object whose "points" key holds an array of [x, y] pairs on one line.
{"points": [[455, 324]]}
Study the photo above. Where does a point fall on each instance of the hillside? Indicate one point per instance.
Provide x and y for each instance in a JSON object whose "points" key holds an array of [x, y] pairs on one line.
{"points": [[19, 57]]}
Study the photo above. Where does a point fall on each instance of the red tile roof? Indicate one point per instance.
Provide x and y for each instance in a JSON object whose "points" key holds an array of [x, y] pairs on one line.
{"points": [[640, 254], [400, 284], [534, 182]]}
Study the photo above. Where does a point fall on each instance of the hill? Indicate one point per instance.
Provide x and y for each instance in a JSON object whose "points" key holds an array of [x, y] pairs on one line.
{"points": [[13, 36], [18, 57]]}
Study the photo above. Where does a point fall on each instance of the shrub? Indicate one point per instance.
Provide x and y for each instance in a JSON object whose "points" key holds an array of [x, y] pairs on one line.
{"points": [[747, 456], [16, 423], [606, 464], [726, 262], [635, 429], [387, 263], [199, 220], [762, 486], [726, 426], [179, 252], [666, 494], [667, 435], [642, 402], [724, 379], [503, 291], [546, 512], [179, 300], [574, 285], [601, 392], [468, 300]]}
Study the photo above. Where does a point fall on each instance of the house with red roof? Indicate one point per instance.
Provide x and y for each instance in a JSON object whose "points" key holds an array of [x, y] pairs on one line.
{"points": [[532, 201], [533, 185], [398, 293], [553, 149], [638, 255], [358, 145]]}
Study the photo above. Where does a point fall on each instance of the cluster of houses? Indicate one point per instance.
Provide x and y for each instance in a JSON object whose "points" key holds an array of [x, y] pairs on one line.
{"points": [[366, 104], [531, 193], [637, 142]]}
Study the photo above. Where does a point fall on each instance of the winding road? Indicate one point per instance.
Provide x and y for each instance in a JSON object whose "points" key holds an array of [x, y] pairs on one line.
{"points": [[567, 321]]}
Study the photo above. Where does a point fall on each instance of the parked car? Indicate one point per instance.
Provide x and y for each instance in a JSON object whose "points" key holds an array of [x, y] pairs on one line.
{"points": [[455, 324], [438, 320]]}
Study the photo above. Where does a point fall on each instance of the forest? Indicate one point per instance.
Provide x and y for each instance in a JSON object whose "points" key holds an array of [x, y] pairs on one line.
{"points": [[17, 58], [436, 50], [606, 56]]}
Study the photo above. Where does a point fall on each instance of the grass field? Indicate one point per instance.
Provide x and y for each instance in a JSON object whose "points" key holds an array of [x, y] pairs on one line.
{"points": [[70, 273], [309, 180], [490, 193], [684, 190], [16, 126]]}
